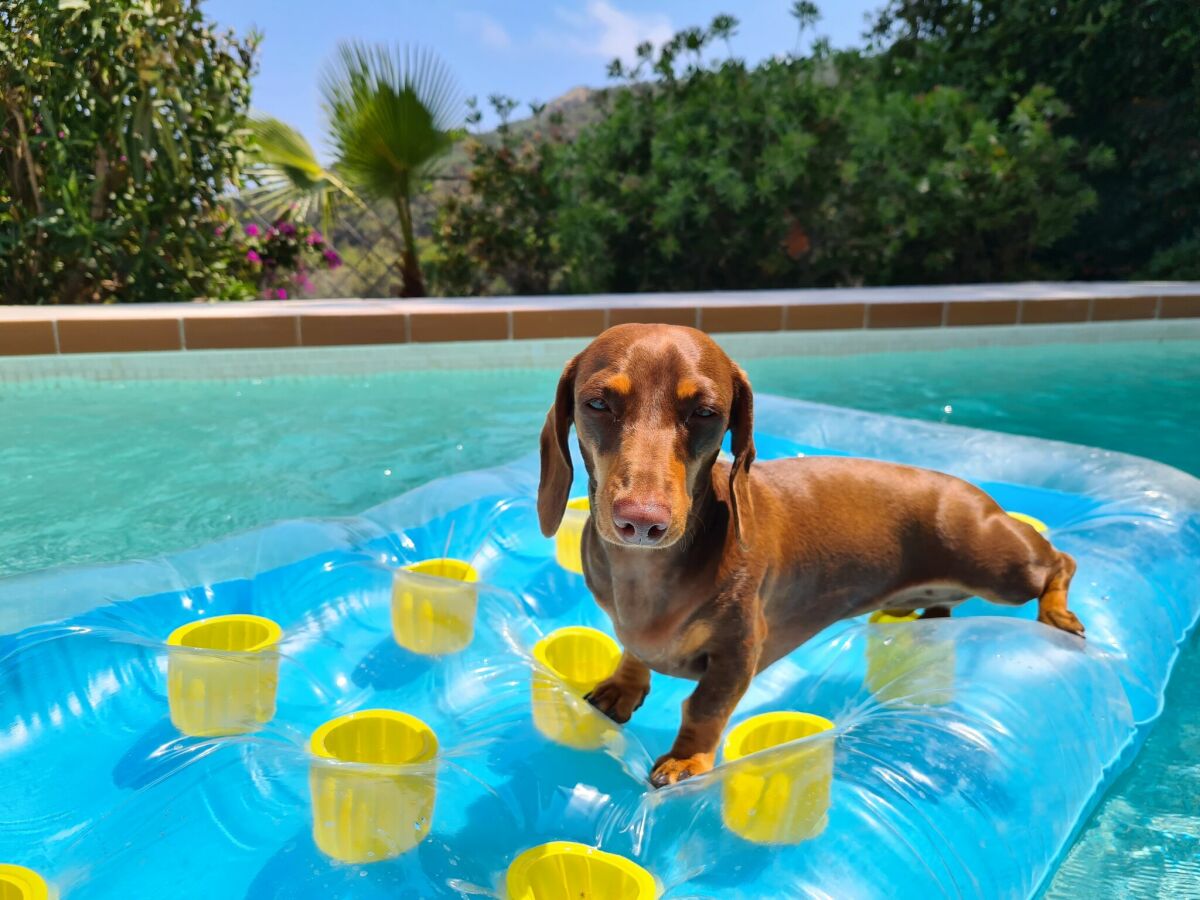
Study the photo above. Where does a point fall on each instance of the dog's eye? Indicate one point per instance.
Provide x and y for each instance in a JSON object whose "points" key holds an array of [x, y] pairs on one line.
{"points": [[704, 412], [597, 404]]}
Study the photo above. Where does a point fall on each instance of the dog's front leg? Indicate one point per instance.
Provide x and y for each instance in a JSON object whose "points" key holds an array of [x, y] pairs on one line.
{"points": [[620, 695], [707, 711]]}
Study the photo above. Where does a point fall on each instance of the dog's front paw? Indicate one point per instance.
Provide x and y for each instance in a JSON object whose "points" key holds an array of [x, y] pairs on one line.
{"points": [[668, 770], [1062, 619], [617, 698]]}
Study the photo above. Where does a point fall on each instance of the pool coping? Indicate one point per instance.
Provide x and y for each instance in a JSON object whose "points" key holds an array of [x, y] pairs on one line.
{"points": [[49, 330]]}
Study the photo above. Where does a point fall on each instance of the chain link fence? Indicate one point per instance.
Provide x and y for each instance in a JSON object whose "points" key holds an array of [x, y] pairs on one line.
{"points": [[366, 243]]}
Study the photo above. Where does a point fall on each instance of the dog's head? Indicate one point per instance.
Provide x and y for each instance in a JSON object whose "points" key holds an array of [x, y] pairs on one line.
{"points": [[651, 405]]}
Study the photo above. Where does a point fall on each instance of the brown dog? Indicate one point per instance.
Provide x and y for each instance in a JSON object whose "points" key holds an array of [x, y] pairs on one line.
{"points": [[713, 571]]}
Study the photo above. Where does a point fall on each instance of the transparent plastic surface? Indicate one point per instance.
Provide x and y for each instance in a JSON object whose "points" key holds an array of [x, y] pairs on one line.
{"points": [[965, 752]]}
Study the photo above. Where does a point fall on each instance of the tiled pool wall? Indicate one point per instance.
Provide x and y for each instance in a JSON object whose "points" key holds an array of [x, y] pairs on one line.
{"points": [[49, 371], [60, 330]]}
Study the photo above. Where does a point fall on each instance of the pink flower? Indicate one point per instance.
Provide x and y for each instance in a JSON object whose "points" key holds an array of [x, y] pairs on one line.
{"points": [[219, 230], [251, 230], [305, 283], [124, 158], [61, 135], [314, 238], [253, 257], [332, 259], [287, 229], [281, 294]]}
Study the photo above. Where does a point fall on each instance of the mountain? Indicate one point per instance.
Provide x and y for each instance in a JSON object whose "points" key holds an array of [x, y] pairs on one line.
{"points": [[577, 108]]}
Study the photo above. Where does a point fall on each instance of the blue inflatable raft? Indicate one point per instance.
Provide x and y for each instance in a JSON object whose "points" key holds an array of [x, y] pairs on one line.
{"points": [[389, 706]]}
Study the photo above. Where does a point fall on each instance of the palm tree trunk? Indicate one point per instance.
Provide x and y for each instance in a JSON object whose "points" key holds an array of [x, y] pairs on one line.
{"points": [[410, 266]]}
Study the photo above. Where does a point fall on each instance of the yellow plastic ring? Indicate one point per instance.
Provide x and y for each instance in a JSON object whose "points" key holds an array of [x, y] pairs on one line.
{"points": [[445, 567], [745, 737], [377, 745], [594, 657], [568, 540], [562, 869], [361, 816], [20, 883], [883, 617], [1037, 524], [228, 634]]}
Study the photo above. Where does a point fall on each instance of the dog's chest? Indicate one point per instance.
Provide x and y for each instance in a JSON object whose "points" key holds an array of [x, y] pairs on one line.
{"points": [[669, 639]]}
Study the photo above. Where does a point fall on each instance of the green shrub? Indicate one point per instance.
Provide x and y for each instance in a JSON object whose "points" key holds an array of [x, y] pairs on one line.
{"points": [[1128, 71], [796, 172], [120, 132], [498, 234], [930, 189]]}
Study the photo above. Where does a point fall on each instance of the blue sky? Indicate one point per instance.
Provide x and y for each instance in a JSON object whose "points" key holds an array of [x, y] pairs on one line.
{"points": [[527, 50]]}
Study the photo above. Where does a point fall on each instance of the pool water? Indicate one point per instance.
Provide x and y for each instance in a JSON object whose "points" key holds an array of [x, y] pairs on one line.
{"points": [[95, 471]]}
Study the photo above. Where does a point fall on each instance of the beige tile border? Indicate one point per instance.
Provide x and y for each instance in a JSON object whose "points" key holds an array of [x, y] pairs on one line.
{"points": [[42, 330]]}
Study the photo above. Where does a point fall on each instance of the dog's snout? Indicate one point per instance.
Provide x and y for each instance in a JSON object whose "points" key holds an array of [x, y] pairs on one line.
{"points": [[641, 522]]}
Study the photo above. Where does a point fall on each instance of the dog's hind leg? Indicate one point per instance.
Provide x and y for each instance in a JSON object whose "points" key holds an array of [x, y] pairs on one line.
{"points": [[1019, 564], [1052, 604]]}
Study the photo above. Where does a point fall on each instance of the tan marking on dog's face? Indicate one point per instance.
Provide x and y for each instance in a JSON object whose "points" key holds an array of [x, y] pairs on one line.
{"points": [[620, 383], [645, 442]]}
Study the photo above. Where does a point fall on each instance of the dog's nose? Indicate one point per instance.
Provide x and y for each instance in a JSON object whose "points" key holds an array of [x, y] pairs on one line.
{"points": [[638, 522]]}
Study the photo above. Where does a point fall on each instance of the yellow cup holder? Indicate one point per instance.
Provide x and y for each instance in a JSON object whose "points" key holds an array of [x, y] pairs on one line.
{"points": [[571, 662], [904, 664], [433, 606], [383, 806], [568, 541], [562, 870], [779, 798], [1037, 524], [222, 674], [20, 883]]}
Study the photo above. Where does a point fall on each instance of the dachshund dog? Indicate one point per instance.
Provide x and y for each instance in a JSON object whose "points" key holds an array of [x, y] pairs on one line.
{"points": [[712, 571]]}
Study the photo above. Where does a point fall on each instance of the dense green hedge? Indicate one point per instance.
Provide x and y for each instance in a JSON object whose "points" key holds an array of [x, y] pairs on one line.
{"points": [[121, 128], [1129, 70], [956, 148]]}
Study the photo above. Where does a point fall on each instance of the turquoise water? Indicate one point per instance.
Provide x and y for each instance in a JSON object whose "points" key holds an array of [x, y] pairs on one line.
{"points": [[99, 471], [114, 470]]}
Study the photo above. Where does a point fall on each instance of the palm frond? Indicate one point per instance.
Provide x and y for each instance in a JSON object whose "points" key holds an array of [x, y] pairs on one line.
{"points": [[392, 114], [287, 175]]}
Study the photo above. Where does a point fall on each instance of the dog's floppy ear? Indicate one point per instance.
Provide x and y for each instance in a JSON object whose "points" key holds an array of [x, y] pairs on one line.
{"points": [[555, 485], [741, 427]]}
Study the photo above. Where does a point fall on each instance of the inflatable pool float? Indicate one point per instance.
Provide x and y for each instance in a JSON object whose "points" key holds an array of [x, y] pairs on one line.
{"points": [[391, 705]]}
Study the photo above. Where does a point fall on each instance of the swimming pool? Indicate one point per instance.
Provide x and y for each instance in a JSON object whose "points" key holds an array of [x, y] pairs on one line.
{"points": [[132, 466]]}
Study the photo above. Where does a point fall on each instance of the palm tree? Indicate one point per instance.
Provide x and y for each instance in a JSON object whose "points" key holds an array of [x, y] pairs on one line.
{"points": [[393, 114], [288, 176]]}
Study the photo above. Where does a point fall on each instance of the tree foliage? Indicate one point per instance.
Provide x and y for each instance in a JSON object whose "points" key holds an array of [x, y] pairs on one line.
{"points": [[1128, 70], [799, 171], [497, 235], [393, 115], [286, 178], [121, 127]]}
